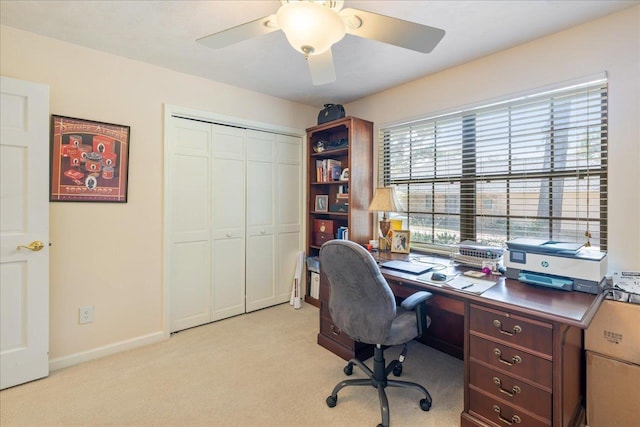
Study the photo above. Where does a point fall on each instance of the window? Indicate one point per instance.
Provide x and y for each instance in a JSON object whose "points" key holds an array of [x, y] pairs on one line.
{"points": [[532, 166]]}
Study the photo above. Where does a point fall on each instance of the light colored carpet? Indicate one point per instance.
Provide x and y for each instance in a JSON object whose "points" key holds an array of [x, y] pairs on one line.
{"points": [[259, 369]]}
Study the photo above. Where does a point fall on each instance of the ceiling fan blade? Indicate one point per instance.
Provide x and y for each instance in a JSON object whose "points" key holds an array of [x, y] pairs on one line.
{"points": [[321, 67], [397, 32], [240, 33]]}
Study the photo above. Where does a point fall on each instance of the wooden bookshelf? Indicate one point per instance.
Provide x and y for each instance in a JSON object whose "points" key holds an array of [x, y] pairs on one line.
{"points": [[342, 211]]}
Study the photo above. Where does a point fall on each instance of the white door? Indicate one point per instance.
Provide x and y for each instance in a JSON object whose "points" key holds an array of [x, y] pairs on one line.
{"points": [[189, 219], [228, 204], [260, 218], [288, 212], [24, 218]]}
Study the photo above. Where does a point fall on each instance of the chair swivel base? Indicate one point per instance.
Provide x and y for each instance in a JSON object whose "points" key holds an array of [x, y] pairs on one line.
{"points": [[378, 379]]}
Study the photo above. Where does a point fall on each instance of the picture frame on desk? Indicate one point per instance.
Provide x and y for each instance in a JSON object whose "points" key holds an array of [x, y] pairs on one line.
{"points": [[400, 241], [322, 203]]}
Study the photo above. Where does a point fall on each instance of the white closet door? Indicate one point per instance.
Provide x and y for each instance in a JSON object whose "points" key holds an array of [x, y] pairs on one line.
{"points": [[233, 215], [260, 217], [228, 261], [288, 207], [189, 213]]}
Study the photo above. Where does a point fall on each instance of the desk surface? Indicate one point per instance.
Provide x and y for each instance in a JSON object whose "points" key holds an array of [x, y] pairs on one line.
{"points": [[570, 308]]}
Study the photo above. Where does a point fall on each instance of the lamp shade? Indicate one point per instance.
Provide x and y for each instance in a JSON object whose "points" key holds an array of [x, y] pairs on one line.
{"points": [[311, 28], [385, 200]]}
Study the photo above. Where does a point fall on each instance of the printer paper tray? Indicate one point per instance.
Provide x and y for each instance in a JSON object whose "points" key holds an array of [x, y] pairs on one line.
{"points": [[544, 280]]}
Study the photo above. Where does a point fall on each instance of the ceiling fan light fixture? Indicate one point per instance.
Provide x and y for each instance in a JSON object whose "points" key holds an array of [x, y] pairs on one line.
{"points": [[311, 28]]}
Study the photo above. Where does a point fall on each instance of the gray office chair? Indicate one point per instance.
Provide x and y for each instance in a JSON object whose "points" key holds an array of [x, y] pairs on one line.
{"points": [[364, 307]]}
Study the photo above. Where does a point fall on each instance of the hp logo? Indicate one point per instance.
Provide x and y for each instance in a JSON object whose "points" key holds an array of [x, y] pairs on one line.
{"points": [[545, 264]]}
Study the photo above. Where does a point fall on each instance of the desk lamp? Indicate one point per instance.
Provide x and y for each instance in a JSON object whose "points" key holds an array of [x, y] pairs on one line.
{"points": [[385, 200]]}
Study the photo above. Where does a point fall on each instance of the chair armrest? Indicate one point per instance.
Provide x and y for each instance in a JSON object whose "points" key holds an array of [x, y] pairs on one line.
{"points": [[412, 301], [417, 303]]}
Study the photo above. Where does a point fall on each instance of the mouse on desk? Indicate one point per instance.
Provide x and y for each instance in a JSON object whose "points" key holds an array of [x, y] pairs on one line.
{"points": [[438, 277]]}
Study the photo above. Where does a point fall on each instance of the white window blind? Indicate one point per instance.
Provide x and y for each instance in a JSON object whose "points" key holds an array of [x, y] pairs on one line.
{"points": [[534, 166]]}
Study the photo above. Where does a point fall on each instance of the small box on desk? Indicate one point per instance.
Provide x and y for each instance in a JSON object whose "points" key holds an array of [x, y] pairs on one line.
{"points": [[320, 238], [323, 226]]}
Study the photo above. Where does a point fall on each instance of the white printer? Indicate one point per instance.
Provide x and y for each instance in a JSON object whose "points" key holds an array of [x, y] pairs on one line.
{"points": [[558, 265]]}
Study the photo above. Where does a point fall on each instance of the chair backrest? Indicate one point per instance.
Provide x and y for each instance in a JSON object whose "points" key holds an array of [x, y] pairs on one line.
{"points": [[360, 302]]}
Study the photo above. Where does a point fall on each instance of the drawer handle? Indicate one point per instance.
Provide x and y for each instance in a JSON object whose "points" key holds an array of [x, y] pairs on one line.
{"points": [[515, 390], [515, 359], [335, 330], [516, 329], [514, 420]]}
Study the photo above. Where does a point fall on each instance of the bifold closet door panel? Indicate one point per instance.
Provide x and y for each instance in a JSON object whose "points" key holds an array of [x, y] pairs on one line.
{"points": [[228, 193], [288, 212], [189, 236], [260, 220]]}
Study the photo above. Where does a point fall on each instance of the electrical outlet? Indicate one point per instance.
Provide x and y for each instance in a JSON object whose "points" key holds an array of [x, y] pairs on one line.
{"points": [[86, 314]]}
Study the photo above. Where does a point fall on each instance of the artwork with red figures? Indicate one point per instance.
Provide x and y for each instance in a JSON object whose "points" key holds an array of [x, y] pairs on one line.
{"points": [[89, 160]]}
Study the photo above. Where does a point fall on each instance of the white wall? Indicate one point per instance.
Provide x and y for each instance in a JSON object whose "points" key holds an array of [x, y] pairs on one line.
{"points": [[110, 255], [610, 44]]}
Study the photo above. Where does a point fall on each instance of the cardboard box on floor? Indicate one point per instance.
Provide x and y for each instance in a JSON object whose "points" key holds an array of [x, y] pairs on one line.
{"points": [[612, 342], [613, 392]]}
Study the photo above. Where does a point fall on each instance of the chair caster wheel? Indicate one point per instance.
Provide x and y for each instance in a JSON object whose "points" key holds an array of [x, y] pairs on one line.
{"points": [[348, 370], [425, 405], [331, 401], [397, 371]]}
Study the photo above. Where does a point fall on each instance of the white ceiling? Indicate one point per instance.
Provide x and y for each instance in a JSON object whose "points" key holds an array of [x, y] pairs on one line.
{"points": [[164, 33]]}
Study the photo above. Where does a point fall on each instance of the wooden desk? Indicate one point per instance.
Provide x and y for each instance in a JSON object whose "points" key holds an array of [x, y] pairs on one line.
{"points": [[522, 347]]}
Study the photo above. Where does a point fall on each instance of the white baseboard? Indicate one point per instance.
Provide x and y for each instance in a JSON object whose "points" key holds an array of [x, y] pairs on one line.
{"points": [[96, 353]]}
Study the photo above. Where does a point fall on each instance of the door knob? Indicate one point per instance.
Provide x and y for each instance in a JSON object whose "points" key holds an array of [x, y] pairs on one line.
{"points": [[34, 246]]}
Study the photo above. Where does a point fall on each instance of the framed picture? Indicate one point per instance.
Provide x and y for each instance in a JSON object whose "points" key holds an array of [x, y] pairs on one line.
{"points": [[322, 203], [89, 161], [400, 241]]}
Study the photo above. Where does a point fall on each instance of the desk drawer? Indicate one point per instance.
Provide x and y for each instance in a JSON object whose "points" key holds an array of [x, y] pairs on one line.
{"points": [[512, 361], [328, 328], [514, 330], [499, 413], [518, 393]]}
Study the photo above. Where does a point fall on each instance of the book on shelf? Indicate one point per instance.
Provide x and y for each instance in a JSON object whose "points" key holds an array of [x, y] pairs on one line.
{"points": [[328, 170], [343, 233]]}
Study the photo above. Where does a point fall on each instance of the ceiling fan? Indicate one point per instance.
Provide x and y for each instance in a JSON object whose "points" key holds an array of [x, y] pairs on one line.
{"points": [[313, 26]]}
